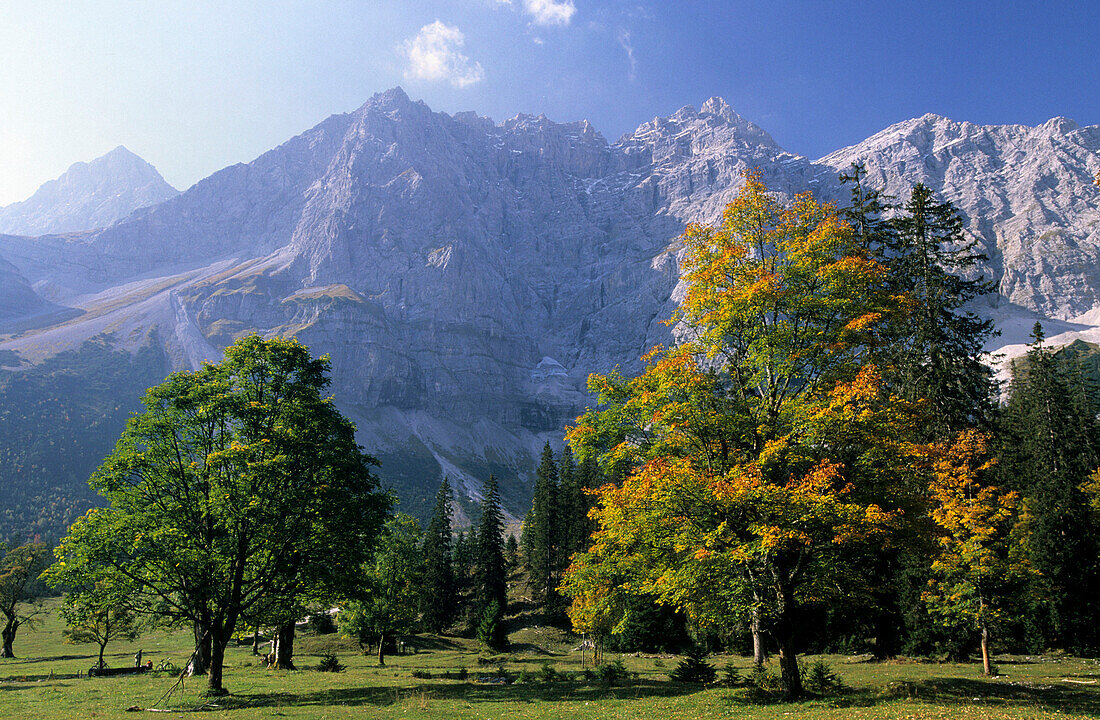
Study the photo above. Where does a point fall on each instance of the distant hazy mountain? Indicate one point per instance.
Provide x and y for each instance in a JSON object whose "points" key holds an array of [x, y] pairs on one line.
{"points": [[465, 276], [88, 196]]}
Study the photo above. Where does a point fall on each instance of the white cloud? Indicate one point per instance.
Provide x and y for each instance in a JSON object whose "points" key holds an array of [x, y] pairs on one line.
{"points": [[436, 54], [550, 12], [624, 41]]}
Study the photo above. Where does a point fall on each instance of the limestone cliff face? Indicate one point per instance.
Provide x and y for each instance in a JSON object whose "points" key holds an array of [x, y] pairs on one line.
{"points": [[466, 276], [1027, 193], [87, 196]]}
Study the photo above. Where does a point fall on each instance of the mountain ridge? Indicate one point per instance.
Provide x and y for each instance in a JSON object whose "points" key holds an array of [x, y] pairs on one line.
{"points": [[446, 262]]}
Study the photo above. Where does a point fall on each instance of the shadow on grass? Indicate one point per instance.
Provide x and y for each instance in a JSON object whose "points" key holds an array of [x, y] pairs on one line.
{"points": [[433, 642], [467, 692], [968, 692]]}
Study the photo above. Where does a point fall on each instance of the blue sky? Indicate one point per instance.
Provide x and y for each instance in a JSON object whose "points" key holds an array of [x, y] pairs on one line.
{"points": [[194, 86]]}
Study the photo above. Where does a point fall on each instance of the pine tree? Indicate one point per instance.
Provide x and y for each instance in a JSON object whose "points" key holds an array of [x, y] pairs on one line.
{"points": [[439, 595], [1050, 444], [935, 349], [490, 579], [542, 528]]}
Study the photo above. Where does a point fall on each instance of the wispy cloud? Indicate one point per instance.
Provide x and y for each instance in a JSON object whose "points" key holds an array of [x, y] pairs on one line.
{"points": [[624, 41], [436, 54], [550, 12]]}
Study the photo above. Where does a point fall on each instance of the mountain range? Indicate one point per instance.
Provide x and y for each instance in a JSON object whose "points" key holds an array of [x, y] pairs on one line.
{"points": [[465, 276]]}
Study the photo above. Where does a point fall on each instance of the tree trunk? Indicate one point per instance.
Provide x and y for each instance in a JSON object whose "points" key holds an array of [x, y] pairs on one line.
{"points": [[200, 661], [217, 660], [987, 665], [788, 668], [284, 647], [382, 649], [102, 647], [784, 636], [9, 637], [256, 641], [759, 650]]}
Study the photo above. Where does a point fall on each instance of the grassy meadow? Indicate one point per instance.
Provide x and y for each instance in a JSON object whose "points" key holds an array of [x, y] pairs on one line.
{"points": [[38, 684]]}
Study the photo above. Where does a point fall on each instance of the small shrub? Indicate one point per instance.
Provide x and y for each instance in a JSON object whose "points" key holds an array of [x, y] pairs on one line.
{"points": [[763, 683], [730, 676], [463, 673], [821, 679], [421, 674], [330, 663], [547, 673], [658, 663], [524, 678], [694, 669], [612, 673], [588, 675]]}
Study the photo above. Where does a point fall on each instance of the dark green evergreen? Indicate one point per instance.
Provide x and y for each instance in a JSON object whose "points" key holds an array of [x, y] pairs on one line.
{"points": [[542, 529], [934, 353], [439, 593], [490, 576], [1050, 444]]}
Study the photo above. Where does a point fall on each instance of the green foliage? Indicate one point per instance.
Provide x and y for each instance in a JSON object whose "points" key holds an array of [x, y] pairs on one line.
{"points": [[19, 604], [438, 596], [1049, 447], [58, 420], [321, 623], [99, 614], [238, 478], [490, 628], [490, 574], [694, 668], [330, 663], [934, 347], [541, 534], [821, 679], [388, 602], [612, 673]]}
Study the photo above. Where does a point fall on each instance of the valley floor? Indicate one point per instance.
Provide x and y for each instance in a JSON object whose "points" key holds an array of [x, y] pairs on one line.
{"points": [[41, 684]]}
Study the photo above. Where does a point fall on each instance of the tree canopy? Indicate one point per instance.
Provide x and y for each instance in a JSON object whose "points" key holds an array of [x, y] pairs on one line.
{"points": [[238, 489], [759, 448]]}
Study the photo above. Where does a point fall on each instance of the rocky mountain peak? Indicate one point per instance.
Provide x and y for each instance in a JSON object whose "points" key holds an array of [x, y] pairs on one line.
{"points": [[88, 195]]}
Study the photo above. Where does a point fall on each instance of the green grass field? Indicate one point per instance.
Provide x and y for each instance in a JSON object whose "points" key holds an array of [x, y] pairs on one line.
{"points": [[1047, 687]]}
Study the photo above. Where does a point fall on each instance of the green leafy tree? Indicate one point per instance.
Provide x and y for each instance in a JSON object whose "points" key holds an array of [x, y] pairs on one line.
{"points": [[238, 490], [98, 614], [389, 601], [1049, 446], [439, 596], [19, 601]]}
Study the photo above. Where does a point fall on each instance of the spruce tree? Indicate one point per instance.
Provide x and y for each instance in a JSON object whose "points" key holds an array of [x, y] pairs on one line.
{"points": [[439, 594], [490, 578], [935, 350], [542, 528], [1050, 444]]}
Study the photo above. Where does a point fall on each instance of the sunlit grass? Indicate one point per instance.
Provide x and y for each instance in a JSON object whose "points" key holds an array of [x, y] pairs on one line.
{"points": [[1050, 687]]}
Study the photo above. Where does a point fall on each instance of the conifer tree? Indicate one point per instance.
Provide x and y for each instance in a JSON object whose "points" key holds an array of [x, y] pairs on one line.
{"points": [[542, 528], [1050, 441], [490, 579], [935, 347], [439, 582]]}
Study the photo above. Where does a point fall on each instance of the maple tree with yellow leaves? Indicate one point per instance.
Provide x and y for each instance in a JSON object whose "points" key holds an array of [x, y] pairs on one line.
{"points": [[762, 448], [977, 569]]}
